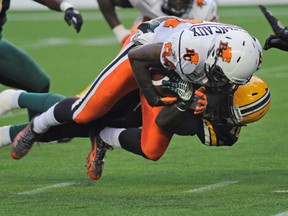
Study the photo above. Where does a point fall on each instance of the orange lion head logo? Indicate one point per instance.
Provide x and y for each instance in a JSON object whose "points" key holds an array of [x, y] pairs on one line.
{"points": [[200, 3], [191, 56], [224, 51]]}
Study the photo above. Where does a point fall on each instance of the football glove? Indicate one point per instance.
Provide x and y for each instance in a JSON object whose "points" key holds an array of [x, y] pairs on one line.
{"points": [[73, 17], [274, 42], [200, 102], [280, 39], [182, 88]]}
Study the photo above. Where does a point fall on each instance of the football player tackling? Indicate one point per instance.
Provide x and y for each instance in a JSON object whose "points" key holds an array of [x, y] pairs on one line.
{"points": [[201, 53], [219, 125]]}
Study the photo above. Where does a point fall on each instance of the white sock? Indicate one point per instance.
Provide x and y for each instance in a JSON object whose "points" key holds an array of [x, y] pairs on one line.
{"points": [[15, 97], [44, 121], [5, 136], [111, 136]]}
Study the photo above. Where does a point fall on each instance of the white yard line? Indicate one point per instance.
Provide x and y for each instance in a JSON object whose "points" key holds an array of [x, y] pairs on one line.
{"points": [[65, 41], [211, 187], [39, 190], [282, 214], [280, 191]]}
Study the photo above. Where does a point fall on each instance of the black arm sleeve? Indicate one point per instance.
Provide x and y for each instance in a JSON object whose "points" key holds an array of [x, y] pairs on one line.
{"points": [[175, 121]]}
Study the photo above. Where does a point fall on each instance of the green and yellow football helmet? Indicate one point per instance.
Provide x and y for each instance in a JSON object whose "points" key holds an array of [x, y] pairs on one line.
{"points": [[250, 102]]}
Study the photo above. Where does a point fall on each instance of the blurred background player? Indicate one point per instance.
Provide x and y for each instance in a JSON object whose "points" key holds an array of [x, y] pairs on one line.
{"points": [[279, 39], [17, 69], [150, 9]]}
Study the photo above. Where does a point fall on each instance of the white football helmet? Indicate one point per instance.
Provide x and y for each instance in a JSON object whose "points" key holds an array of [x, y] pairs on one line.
{"points": [[233, 55]]}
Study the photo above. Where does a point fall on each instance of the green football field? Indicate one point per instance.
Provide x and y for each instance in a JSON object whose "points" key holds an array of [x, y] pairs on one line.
{"points": [[249, 178]]}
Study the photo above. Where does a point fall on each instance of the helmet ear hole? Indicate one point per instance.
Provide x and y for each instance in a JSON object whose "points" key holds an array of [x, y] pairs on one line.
{"points": [[213, 53]]}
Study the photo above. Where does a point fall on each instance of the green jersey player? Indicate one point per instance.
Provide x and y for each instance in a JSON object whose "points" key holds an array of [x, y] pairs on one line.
{"points": [[17, 69]]}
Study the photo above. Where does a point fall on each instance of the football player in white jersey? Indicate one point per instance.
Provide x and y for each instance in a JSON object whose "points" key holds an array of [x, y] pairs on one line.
{"points": [[150, 9], [204, 53], [208, 54]]}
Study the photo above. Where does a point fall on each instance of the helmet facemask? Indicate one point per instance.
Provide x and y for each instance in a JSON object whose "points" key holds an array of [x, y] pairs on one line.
{"points": [[176, 7], [215, 74]]}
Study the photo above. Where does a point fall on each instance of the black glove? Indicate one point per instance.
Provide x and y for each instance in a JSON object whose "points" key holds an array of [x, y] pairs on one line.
{"points": [[280, 39], [274, 42], [73, 16]]}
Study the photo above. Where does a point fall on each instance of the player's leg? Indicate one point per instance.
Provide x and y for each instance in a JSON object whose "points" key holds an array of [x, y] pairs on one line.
{"points": [[150, 142], [68, 130], [38, 102], [20, 71], [154, 140], [115, 81], [111, 85], [8, 133]]}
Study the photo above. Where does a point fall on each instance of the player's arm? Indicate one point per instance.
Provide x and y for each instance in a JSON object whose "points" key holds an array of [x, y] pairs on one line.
{"points": [[218, 134], [280, 38], [142, 58], [108, 9], [172, 120], [72, 16]]}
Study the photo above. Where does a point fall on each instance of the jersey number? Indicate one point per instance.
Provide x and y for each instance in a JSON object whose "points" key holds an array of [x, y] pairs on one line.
{"points": [[173, 23], [166, 53]]}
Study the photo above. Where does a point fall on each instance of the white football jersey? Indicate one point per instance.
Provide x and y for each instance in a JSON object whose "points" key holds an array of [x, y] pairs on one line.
{"points": [[201, 9], [186, 45]]}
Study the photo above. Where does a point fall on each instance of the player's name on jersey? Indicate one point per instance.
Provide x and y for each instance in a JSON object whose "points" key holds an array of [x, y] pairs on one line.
{"points": [[211, 29]]}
